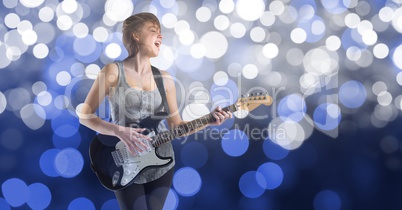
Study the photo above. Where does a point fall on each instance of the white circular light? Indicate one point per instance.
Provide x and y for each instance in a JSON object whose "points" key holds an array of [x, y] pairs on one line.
{"points": [[298, 35], [186, 37], [3, 102], [237, 30], [221, 22], [12, 20], [69, 6], [380, 51], [40, 51], [92, 71], [194, 111], [169, 20], [118, 10], [197, 51], [221, 78], [250, 10], [203, 14], [250, 71], [333, 43], [63, 78], [64, 22], [29, 37], [80, 30], [31, 3], [46, 14], [226, 6], [113, 50], [257, 34], [352, 20], [270, 50], [44, 98], [215, 44], [277, 7], [100, 34]]}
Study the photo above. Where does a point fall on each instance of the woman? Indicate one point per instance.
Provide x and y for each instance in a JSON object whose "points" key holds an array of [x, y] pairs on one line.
{"points": [[133, 96]]}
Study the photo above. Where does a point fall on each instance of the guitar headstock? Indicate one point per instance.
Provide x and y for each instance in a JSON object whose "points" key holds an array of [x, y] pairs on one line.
{"points": [[253, 100]]}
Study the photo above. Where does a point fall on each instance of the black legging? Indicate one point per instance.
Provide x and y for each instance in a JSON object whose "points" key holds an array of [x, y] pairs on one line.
{"points": [[151, 195]]}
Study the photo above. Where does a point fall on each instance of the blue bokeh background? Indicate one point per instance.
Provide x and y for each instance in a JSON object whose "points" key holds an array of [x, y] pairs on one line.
{"points": [[330, 139]]}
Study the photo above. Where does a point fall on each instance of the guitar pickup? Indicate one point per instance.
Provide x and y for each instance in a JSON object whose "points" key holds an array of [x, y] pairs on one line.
{"points": [[117, 158]]}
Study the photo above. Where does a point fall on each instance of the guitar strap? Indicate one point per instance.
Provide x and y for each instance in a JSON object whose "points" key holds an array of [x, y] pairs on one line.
{"points": [[159, 83]]}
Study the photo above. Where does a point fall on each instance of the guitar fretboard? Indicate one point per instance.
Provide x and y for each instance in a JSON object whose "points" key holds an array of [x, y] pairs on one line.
{"points": [[164, 137]]}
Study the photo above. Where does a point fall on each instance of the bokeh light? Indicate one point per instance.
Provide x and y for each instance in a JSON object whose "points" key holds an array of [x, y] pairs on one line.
{"points": [[396, 55], [65, 142], [172, 200], [226, 6], [118, 10], [292, 107], [194, 111], [250, 184], [31, 4], [111, 204], [3, 102], [81, 203], [235, 143], [33, 116], [327, 199], [274, 151], [65, 125], [194, 155], [289, 134], [389, 144], [4, 205], [68, 162], [46, 162], [187, 181], [272, 174], [352, 94], [250, 9], [215, 44], [39, 196], [15, 191], [327, 116]]}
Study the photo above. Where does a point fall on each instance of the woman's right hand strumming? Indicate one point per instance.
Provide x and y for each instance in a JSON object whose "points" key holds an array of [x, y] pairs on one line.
{"points": [[132, 138]]}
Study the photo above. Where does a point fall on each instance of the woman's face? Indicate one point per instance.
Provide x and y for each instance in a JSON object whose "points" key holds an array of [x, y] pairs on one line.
{"points": [[149, 39]]}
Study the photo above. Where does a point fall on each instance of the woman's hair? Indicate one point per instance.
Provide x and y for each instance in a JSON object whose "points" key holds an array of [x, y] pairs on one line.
{"points": [[132, 25]]}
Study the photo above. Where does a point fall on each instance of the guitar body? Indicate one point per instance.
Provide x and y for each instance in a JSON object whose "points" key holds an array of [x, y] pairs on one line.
{"points": [[115, 166]]}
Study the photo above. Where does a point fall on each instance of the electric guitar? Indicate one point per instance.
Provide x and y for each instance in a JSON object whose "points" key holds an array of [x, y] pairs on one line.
{"points": [[116, 167]]}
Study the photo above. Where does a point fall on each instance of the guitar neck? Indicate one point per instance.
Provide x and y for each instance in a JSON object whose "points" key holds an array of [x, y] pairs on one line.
{"points": [[186, 128]]}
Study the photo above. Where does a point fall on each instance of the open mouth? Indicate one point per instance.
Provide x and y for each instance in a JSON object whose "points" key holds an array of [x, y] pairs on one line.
{"points": [[158, 44]]}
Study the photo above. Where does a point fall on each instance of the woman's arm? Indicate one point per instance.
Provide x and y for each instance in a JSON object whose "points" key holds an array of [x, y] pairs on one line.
{"points": [[175, 119], [105, 80]]}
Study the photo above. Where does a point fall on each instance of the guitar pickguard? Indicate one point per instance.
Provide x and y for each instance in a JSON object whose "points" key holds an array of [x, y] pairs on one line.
{"points": [[134, 164]]}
